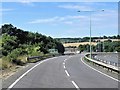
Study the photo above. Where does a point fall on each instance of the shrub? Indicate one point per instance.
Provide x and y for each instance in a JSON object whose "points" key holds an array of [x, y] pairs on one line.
{"points": [[5, 63], [13, 56]]}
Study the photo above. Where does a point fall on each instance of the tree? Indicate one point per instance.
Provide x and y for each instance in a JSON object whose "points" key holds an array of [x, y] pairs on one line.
{"points": [[60, 48], [99, 47], [8, 43], [81, 48]]}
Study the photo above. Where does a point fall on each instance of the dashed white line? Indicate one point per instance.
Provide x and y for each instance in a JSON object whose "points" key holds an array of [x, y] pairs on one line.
{"points": [[67, 73], [100, 71], [76, 86], [65, 59], [64, 67]]}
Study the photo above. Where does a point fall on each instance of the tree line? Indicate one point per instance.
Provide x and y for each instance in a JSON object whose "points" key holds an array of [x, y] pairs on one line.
{"points": [[106, 46], [85, 39]]}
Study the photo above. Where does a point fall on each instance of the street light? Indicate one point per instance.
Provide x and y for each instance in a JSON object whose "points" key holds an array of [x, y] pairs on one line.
{"points": [[90, 28]]}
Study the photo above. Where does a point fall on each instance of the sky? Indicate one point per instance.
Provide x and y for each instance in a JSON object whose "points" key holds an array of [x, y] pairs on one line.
{"points": [[61, 19]]}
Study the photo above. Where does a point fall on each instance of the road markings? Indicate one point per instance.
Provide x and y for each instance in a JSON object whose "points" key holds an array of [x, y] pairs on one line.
{"points": [[76, 86], [64, 67], [13, 84], [67, 73], [99, 71], [65, 59]]}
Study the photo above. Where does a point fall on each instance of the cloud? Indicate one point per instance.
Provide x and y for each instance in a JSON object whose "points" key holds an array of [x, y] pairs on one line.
{"points": [[27, 2], [107, 13], [98, 18], [5, 9], [56, 19], [48, 20], [76, 7], [68, 22], [63, 0]]}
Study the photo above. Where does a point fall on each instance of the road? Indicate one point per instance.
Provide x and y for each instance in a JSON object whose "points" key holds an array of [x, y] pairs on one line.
{"points": [[64, 72], [112, 57]]}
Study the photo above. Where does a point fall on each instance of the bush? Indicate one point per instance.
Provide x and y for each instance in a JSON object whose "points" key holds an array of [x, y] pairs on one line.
{"points": [[5, 63], [13, 56]]}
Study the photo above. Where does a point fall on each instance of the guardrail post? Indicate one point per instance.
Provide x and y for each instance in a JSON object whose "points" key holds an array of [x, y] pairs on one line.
{"points": [[115, 64], [109, 63]]}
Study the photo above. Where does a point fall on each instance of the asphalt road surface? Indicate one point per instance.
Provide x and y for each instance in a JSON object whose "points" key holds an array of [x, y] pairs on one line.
{"points": [[112, 57], [64, 72]]}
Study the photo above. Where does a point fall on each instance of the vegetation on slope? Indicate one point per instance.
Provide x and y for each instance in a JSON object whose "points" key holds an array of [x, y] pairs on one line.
{"points": [[18, 44]]}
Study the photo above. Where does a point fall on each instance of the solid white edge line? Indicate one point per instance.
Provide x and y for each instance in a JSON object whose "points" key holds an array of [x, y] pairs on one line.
{"points": [[76, 86], [67, 73], [99, 71], [14, 83]]}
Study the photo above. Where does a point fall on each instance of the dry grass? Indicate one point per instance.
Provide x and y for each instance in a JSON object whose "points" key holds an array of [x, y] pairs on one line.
{"points": [[107, 39], [77, 44], [23, 59], [5, 64], [8, 68]]}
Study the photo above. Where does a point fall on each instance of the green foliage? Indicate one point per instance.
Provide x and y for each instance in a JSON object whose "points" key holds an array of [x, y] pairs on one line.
{"points": [[109, 46], [81, 48], [84, 47], [60, 48], [8, 43], [33, 50], [14, 54], [99, 47]]}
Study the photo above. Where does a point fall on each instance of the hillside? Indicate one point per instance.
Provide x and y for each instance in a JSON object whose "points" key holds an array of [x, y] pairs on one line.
{"points": [[18, 44]]}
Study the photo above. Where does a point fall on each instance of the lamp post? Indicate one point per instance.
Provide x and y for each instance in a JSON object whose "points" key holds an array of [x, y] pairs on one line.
{"points": [[90, 28]]}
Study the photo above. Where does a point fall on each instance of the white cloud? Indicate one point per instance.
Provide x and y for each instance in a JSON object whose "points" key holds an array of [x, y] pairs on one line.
{"points": [[48, 20], [27, 2], [107, 13], [68, 22], [100, 21], [76, 7], [63, 0], [5, 9], [76, 17], [56, 19]]}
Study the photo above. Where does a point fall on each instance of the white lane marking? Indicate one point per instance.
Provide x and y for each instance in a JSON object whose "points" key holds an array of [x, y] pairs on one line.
{"points": [[63, 63], [76, 86], [67, 73], [100, 71], [65, 59], [13, 84], [64, 67]]}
